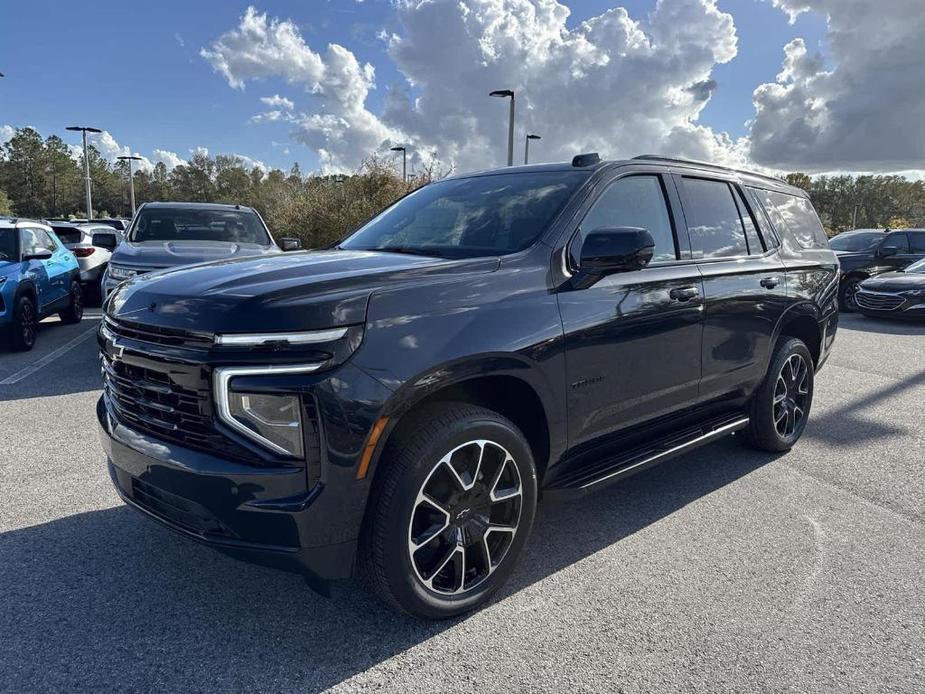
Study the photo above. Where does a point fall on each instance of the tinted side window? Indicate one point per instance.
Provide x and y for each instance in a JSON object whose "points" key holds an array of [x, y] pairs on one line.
{"points": [[797, 216], [47, 240], [635, 201], [898, 241], [713, 220], [756, 244], [917, 241]]}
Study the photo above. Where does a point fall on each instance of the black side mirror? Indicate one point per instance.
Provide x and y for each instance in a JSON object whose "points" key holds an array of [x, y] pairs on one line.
{"points": [[105, 240], [38, 254], [616, 249], [887, 251], [290, 244]]}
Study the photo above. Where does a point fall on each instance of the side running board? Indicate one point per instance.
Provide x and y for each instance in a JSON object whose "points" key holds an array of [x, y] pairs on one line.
{"points": [[599, 474]]}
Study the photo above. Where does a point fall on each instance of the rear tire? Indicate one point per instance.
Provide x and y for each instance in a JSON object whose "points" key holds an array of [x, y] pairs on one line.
{"points": [[451, 509], [24, 325], [779, 409], [75, 311]]}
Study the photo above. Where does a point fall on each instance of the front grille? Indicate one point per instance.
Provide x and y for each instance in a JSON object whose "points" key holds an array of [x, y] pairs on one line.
{"points": [[878, 302], [157, 335], [177, 510], [152, 401]]}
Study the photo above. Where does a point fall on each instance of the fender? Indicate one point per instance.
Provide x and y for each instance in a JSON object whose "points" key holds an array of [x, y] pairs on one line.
{"points": [[804, 308], [426, 383]]}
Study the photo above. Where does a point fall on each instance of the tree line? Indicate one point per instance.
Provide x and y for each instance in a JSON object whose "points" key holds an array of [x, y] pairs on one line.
{"points": [[39, 178]]}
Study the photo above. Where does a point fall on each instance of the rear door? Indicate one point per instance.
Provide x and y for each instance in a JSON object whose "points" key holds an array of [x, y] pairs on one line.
{"points": [[633, 338], [894, 253], [744, 283]]}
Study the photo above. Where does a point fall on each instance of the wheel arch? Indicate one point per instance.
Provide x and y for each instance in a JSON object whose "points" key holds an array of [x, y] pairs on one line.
{"points": [[803, 322], [505, 384]]}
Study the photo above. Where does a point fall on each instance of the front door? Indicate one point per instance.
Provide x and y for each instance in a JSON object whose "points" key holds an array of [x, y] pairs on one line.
{"points": [[633, 339]]}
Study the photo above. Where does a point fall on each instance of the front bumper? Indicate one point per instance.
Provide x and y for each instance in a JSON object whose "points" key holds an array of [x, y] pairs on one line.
{"points": [[890, 304], [264, 513]]}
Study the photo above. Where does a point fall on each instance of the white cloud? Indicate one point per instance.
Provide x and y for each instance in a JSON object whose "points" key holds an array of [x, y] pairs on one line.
{"points": [[862, 112], [612, 84], [6, 133], [279, 102], [170, 159]]}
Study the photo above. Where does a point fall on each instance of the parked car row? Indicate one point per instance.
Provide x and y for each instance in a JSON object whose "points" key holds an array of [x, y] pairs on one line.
{"points": [[877, 277]]}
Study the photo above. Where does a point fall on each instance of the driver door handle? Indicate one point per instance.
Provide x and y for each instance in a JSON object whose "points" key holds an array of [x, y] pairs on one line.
{"points": [[683, 293], [770, 282]]}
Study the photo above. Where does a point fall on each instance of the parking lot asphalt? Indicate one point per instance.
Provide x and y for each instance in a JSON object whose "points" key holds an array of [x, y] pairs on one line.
{"points": [[725, 570]]}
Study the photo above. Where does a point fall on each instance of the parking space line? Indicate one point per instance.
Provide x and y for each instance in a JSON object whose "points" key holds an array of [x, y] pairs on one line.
{"points": [[47, 359]]}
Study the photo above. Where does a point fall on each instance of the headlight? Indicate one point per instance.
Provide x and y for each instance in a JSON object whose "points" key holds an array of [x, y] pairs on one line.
{"points": [[272, 420], [118, 272]]}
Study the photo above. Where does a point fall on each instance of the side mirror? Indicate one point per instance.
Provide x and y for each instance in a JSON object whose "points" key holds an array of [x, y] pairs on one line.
{"points": [[39, 254], [887, 251], [290, 244], [105, 240], [616, 249]]}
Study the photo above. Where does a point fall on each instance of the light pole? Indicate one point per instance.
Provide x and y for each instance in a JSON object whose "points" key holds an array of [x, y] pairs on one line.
{"points": [[84, 129], [510, 128], [131, 179], [527, 146], [404, 162]]}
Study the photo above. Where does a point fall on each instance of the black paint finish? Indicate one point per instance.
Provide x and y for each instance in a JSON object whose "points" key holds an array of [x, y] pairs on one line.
{"points": [[625, 358]]}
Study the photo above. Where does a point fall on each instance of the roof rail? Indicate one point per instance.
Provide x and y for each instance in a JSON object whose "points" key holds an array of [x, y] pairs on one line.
{"points": [[694, 162]]}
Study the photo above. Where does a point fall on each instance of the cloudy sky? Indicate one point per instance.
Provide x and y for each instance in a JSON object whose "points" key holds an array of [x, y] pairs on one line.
{"points": [[811, 85]]}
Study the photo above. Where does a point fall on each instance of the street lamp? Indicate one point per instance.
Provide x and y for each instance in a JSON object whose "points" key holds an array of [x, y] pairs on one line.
{"points": [[510, 128], [527, 147], [404, 162], [131, 179], [85, 130]]}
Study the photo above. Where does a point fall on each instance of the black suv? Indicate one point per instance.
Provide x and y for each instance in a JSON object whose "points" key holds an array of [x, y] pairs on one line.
{"points": [[864, 253], [394, 407]]}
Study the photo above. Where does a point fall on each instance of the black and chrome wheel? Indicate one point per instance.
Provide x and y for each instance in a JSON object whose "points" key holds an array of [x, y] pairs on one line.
{"points": [[24, 325], [452, 506], [74, 313], [779, 408], [465, 517], [847, 295]]}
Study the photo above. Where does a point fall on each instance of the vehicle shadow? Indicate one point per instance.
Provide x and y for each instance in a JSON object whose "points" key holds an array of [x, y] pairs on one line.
{"points": [[882, 326], [108, 600]]}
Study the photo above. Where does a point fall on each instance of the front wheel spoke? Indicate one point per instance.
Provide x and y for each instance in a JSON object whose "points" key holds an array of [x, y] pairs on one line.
{"points": [[459, 480], [442, 565]]}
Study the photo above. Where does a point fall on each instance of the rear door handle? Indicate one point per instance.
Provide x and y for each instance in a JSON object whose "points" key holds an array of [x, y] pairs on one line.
{"points": [[770, 282], [683, 293]]}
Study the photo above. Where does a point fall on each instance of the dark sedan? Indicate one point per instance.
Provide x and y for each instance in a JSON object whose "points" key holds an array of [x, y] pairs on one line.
{"points": [[894, 294]]}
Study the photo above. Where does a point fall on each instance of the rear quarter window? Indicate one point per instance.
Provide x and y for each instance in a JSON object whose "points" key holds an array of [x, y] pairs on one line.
{"points": [[794, 214]]}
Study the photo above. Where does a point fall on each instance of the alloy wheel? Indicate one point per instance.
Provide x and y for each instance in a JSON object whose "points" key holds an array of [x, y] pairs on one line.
{"points": [[465, 517], [791, 393], [27, 323]]}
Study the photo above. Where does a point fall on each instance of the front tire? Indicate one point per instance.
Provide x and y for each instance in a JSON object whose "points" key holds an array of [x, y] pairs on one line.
{"points": [[452, 507], [847, 301], [75, 310], [779, 409], [24, 325]]}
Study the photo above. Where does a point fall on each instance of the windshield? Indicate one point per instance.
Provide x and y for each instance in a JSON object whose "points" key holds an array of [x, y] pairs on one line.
{"points": [[178, 224], [7, 244], [856, 242], [470, 217], [917, 267]]}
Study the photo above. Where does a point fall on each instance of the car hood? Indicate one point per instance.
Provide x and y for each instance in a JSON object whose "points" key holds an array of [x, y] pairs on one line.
{"points": [[161, 254], [895, 282], [307, 290]]}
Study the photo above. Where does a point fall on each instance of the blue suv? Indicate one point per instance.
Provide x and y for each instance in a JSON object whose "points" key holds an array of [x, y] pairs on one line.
{"points": [[38, 277]]}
